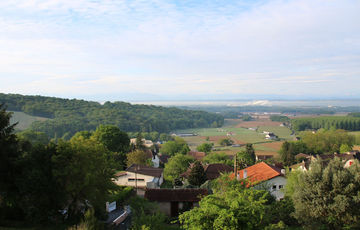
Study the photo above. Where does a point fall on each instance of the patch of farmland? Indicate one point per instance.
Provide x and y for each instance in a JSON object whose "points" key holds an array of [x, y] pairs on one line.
{"points": [[282, 132], [272, 146], [231, 122], [24, 120], [251, 124], [207, 132]]}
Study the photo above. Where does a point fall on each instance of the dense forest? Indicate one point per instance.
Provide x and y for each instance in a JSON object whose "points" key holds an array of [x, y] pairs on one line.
{"points": [[326, 122], [70, 116]]}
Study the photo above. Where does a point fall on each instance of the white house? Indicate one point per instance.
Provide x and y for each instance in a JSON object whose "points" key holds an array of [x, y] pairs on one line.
{"points": [[140, 176], [271, 136], [264, 176]]}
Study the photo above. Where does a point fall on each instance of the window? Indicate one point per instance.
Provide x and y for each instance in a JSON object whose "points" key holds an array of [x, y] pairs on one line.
{"points": [[274, 187], [133, 179], [281, 186]]}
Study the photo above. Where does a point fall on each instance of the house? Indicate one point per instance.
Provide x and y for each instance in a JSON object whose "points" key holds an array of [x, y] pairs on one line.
{"points": [[264, 176], [146, 143], [197, 155], [171, 201], [271, 136], [140, 176], [212, 171], [347, 158]]}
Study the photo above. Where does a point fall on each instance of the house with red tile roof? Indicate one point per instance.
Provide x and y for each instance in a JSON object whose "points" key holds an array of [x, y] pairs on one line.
{"points": [[264, 176]]}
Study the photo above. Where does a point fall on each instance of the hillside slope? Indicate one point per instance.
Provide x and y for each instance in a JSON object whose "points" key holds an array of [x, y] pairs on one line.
{"points": [[70, 116]]}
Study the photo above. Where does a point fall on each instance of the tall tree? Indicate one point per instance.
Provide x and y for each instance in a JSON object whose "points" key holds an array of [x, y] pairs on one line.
{"points": [[205, 147], [138, 157], [84, 173], [286, 154], [197, 174], [177, 165], [113, 138], [249, 149], [327, 197], [9, 155]]}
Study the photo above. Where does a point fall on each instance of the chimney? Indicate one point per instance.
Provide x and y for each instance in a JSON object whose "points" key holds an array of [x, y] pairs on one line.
{"points": [[245, 173], [283, 171]]}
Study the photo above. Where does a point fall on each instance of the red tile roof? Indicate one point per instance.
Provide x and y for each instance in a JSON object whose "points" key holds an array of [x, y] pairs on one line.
{"points": [[259, 172], [177, 195]]}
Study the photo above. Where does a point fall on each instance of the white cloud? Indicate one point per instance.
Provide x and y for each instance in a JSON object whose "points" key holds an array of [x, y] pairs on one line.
{"points": [[110, 46]]}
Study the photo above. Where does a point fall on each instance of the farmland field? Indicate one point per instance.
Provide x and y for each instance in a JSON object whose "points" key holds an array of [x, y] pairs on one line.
{"points": [[236, 131], [24, 120]]}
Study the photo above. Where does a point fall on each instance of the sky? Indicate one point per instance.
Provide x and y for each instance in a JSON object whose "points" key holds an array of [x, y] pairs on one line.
{"points": [[121, 50]]}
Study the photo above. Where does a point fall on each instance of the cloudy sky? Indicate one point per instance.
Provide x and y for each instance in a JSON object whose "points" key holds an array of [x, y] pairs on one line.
{"points": [[185, 49]]}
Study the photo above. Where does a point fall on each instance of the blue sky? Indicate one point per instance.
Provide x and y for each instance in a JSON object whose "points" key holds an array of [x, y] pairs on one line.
{"points": [[151, 50]]}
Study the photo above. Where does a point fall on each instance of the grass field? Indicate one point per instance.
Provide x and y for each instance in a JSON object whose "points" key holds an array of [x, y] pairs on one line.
{"points": [[24, 120], [240, 135]]}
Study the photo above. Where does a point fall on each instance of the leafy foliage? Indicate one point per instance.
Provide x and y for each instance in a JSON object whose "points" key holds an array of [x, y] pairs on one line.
{"points": [[197, 174], [214, 158], [326, 141], [226, 142], [138, 157], [335, 122], [179, 145], [279, 118], [328, 196], [205, 147], [70, 116], [236, 208], [177, 165]]}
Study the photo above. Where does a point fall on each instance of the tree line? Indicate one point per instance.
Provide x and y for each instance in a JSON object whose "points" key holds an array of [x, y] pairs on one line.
{"points": [[70, 116], [326, 122]]}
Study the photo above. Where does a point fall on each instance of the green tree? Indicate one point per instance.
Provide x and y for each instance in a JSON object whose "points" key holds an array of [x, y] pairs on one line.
{"points": [[84, 172], [177, 165], [245, 159], [205, 147], [249, 149], [137, 157], [235, 208], [328, 196], [40, 195], [214, 158], [113, 138], [139, 144], [33, 137], [197, 174], [226, 142], [344, 148], [286, 154], [177, 146], [146, 215], [9, 154], [326, 141]]}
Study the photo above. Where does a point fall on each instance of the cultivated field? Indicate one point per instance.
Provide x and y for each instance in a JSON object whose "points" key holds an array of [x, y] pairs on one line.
{"points": [[238, 131]]}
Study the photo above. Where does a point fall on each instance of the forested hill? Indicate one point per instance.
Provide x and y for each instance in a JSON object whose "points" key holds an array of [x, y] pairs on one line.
{"points": [[70, 116]]}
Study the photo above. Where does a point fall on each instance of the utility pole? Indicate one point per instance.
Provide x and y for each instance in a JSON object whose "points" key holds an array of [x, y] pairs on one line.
{"points": [[235, 167], [136, 167]]}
